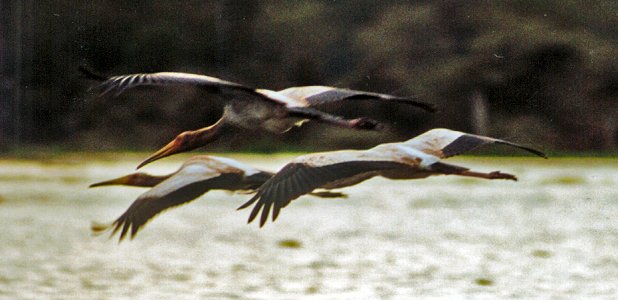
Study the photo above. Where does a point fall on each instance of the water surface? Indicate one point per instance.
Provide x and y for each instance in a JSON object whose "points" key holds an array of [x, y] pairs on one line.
{"points": [[552, 234]]}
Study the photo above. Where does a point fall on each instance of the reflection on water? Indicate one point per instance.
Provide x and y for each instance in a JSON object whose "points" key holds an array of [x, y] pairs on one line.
{"points": [[553, 233]]}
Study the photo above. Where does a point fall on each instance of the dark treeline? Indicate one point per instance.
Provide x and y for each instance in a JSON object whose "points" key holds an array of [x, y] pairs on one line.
{"points": [[539, 72]]}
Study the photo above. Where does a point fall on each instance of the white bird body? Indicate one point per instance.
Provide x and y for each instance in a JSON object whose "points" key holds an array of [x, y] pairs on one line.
{"points": [[203, 168], [416, 158], [196, 176], [417, 152], [259, 115]]}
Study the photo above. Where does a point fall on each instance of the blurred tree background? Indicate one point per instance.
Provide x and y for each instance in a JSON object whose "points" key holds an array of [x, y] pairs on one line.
{"points": [[540, 72]]}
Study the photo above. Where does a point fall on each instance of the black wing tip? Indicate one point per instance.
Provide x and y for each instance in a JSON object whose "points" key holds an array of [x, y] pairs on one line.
{"points": [[529, 149], [429, 107], [413, 100], [254, 213], [468, 141], [248, 203], [539, 153], [260, 206]]}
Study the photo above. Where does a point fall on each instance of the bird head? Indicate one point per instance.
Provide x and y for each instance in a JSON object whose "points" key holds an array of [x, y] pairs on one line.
{"points": [[188, 140], [183, 142], [135, 179]]}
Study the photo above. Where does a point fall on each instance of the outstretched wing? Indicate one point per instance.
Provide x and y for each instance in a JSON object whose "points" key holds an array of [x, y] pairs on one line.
{"points": [[179, 189], [316, 95], [297, 179], [445, 143], [119, 84]]}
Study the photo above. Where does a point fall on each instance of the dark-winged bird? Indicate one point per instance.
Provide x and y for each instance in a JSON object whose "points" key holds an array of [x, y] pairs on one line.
{"points": [[250, 108], [416, 158]]}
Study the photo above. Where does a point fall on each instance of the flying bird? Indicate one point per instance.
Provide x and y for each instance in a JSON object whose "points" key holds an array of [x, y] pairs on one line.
{"points": [[195, 177], [250, 108], [416, 158]]}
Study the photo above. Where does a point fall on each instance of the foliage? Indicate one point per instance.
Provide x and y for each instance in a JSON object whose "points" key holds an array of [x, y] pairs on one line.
{"points": [[547, 68]]}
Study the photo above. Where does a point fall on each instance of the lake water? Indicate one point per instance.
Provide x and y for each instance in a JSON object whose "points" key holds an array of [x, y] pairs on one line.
{"points": [[552, 234]]}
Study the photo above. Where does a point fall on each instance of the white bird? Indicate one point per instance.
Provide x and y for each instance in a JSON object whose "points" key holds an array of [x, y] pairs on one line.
{"points": [[249, 108], [195, 177], [416, 158]]}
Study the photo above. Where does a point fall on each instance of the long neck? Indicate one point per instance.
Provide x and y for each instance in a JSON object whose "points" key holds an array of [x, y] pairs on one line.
{"points": [[146, 180], [136, 179], [188, 140], [207, 135]]}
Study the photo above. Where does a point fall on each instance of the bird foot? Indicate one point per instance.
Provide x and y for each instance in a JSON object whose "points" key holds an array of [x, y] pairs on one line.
{"points": [[365, 124], [500, 175]]}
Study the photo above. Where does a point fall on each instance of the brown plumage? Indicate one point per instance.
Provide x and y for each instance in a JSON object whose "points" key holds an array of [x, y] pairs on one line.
{"points": [[250, 108], [416, 158]]}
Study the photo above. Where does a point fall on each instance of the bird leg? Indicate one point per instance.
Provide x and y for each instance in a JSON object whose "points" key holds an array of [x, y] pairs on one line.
{"points": [[448, 169], [490, 175], [319, 116], [328, 194]]}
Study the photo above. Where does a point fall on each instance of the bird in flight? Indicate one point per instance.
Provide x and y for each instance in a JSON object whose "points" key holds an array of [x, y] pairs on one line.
{"points": [[416, 158], [250, 108], [195, 177]]}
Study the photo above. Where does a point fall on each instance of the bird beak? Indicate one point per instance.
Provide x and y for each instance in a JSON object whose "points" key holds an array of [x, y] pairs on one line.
{"points": [[187, 141], [171, 148], [124, 180]]}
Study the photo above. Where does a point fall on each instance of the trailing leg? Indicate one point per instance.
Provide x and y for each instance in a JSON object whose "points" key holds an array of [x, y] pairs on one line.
{"points": [[312, 114], [448, 169]]}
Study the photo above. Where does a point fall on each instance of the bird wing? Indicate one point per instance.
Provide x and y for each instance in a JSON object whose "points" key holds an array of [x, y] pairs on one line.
{"points": [[297, 179], [119, 84], [281, 98], [189, 183], [316, 95], [445, 143], [228, 164]]}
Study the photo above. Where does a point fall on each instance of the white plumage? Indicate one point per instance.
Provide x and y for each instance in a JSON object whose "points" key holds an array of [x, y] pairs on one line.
{"points": [[419, 157]]}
